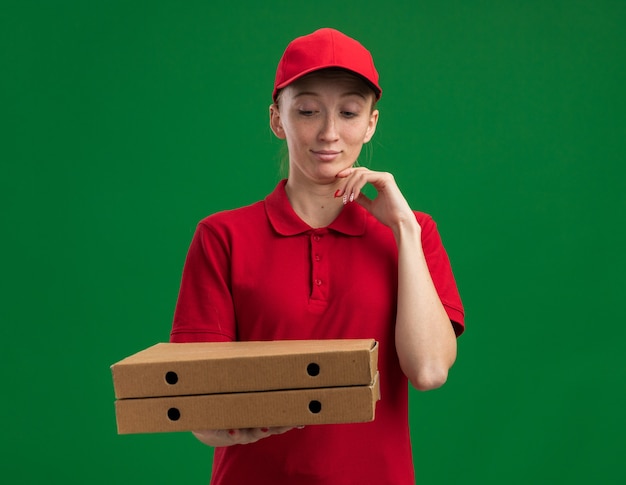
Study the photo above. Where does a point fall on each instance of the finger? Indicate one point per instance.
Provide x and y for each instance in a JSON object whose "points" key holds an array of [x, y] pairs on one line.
{"points": [[280, 429], [253, 435], [234, 435], [357, 181], [348, 173], [342, 191], [345, 172], [217, 437], [242, 436]]}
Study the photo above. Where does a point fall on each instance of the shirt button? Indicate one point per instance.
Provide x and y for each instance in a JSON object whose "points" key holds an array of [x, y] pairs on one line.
{"points": [[317, 257], [318, 282], [316, 238]]}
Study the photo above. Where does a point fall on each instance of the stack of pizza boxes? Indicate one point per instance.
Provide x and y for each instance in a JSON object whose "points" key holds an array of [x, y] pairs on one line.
{"points": [[227, 385]]}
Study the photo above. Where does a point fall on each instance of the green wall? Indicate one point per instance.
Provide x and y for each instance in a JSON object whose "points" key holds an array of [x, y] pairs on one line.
{"points": [[125, 122]]}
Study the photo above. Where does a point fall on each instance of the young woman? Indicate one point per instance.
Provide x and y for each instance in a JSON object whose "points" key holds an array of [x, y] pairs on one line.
{"points": [[318, 259]]}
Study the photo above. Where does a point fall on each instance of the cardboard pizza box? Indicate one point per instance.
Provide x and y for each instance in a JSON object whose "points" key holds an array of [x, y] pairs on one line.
{"points": [[181, 369], [352, 404]]}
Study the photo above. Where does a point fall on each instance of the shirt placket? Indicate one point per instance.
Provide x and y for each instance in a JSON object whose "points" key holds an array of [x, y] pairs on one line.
{"points": [[319, 265]]}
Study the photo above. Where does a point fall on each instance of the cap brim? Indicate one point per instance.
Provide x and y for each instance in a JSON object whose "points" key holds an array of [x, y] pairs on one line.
{"points": [[377, 90]]}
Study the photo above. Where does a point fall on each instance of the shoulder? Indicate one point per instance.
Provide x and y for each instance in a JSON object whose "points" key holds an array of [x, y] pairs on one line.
{"points": [[245, 217], [428, 225], [233, 218], [431, 240]]}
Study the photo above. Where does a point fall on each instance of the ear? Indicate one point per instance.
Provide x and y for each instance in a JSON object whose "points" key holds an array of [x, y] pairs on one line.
{"points": [[371, 127], [275, 122]]}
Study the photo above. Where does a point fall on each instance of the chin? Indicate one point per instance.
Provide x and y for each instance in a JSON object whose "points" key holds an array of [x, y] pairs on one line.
{"points": [[327, 178]]}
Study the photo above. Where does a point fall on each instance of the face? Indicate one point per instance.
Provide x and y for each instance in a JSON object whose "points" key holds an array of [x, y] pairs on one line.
{"points": [[325, 119]]}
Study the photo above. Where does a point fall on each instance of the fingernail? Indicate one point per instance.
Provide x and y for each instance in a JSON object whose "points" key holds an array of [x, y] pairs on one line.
{"points": [[265, 430], [345, 198], [300, 427], [337, 192], [231, 431], [352, 197]]}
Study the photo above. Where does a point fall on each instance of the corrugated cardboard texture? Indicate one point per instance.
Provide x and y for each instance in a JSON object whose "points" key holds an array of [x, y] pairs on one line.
{"points": [[170, 369], [248, 410]]}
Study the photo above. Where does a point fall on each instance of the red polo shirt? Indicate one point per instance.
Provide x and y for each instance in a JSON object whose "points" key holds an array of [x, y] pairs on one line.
{"points": [[261, 273]]}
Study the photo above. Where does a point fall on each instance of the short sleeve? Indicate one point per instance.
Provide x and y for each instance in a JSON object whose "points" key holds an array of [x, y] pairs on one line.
{"points": [[441, 272], [204, 309]]}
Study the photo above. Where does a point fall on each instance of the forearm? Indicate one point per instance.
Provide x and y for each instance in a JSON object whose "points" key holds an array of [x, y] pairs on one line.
{"points": [[425, 339]]}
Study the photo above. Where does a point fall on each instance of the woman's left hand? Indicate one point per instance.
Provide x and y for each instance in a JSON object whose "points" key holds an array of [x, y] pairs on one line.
{"points": [[424, 338], [389, 206]]}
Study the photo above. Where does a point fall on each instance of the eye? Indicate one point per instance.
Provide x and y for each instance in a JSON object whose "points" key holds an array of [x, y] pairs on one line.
{"points": [[351, 110], [306, 112]]}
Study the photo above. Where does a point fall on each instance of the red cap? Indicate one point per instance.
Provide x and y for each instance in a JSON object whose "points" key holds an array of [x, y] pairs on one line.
{"points": [[323, 49]]}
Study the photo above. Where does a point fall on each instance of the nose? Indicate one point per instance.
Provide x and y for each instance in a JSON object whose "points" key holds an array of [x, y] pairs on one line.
{"points": [[328, 130]]}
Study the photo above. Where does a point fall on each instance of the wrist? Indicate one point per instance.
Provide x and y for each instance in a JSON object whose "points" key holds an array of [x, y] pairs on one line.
{"points": [[407, 228]]}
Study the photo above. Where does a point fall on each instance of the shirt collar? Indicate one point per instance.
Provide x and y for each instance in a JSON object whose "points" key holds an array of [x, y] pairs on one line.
{"points": [[351, 221]]}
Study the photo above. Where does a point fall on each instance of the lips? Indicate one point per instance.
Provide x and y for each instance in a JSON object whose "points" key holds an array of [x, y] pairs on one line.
{"points": [[326, 155]]}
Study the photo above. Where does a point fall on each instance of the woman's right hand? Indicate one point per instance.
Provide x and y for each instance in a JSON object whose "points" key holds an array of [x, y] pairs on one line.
{"points": [[228, 437]]}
